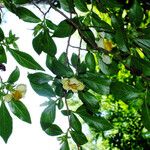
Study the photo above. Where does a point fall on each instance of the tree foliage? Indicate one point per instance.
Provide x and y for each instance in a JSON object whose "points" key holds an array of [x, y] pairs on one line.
{"points": [[116, 35]]}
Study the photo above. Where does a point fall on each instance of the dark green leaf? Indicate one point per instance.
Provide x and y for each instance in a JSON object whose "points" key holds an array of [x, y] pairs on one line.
{"points": [[90, 61], [64, 29], [78, 137], [5, 123], [59, 90], [96, 82], [1, 35], [75, 60], [3, 57], [97, 122], [26, 15], [81, 5], [14, 76], [49, 61], [65, 146], [43, 89], [124, 91], [89, 100], [60, 104], [25, 60], [66, 112], [21, 1], [48, 115], [63, 58], [67, 5], [53, 130], [20, 110], [40, 78], [136, 13], [75, 123], [51, 25]]}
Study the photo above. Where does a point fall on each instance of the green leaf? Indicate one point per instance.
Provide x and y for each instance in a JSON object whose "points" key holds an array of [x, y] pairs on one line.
{"points": [[97, 122], [5, 123], [61, 70], [20, 110], [48, 115], [121, 40], [14, 76], [136, 13], [60, 104], [96, 82], [46, 43], [78, 137], [64, 29], [90, 61], [1, 35], [63, 58], [3, 57], [66, 112], [65, 146], [49, 61], [25, 60], [26, 15], [75, 123], [43, 89], [146, 111], [81, 5], [53, 130], [75, 60], [21, 1], [40, 78], [67, 5], [124, 91], [51, 25], [89, 100]]}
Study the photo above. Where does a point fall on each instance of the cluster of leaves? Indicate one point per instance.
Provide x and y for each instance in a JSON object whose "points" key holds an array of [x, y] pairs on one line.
{"points": [[123, 24]]}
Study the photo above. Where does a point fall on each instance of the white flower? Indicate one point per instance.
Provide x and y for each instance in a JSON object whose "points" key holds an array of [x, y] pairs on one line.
{"points": [[72, 84], [106, 59], [7, 97]]}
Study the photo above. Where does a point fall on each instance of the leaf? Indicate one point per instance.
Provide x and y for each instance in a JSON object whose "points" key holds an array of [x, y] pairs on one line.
{"points": [[75, 60], [146, 111], [1, 35], [3, 57], [61, 70], [90, 61], [96, 82], [14, 76], [48, 115], [97, 122], [54, 130], [65, 146], [43, 89], [89, 100], [21, 1], [75, 123], [60, 104], [46, 43], [20, 110], [63, 58], [121, 41], [67, 5], [26, 15], [64, 29], [81, 5], [5, 123], [40, 78], [66, 112], [51, 25], [124, 91], [136, 13], [78, 137], [25, 60]]}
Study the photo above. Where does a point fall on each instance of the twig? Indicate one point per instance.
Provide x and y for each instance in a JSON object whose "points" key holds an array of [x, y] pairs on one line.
{"points": [[78, 47]]}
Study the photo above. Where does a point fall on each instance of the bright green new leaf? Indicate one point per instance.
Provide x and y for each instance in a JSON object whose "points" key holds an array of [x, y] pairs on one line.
{"points": [[26, 15], [25, 60], [5, 123], [64, 29], [78, 137], [14, 76], [20, 110]]}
